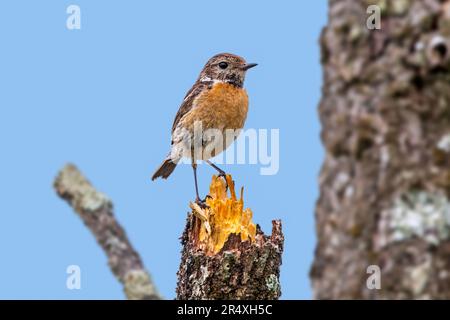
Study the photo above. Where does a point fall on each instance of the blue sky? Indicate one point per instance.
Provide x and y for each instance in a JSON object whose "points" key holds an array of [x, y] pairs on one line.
{"points": [[104, 97]]}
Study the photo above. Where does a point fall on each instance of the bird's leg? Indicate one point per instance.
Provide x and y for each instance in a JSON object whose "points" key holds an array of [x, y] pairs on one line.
{"points": [[201, 203], [194, 167], [222, 173]]}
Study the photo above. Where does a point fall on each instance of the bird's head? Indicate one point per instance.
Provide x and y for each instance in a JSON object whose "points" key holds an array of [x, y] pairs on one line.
{"points": [[226, 67]]}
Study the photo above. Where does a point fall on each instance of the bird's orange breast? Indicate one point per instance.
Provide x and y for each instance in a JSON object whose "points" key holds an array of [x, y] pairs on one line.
{"points": [[224, 106]]}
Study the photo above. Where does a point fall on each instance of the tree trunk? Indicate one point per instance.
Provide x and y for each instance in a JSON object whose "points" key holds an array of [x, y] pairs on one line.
{"points": [[385, 181], [225, 256]]}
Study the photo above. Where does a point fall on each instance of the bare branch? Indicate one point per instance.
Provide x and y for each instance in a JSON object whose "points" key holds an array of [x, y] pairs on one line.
{"points": [[96, 211]]}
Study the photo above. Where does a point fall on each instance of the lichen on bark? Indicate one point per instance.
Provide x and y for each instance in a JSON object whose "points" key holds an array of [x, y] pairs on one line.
{"points": [[385, 114]]}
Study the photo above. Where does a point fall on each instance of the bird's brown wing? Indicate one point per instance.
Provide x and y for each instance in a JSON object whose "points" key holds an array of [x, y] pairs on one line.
{"points": [[188, 101]]}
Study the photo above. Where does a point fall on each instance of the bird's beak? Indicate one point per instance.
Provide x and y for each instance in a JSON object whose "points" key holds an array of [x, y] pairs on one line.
{"points": [[249, 66]]}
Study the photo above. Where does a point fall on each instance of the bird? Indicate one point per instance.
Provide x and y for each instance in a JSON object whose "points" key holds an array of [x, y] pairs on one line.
{"points": [[216, 102]]}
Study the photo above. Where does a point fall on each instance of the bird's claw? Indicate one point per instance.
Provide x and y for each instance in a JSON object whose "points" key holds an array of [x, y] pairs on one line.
{"points": [[202, 203], [223, 175]]}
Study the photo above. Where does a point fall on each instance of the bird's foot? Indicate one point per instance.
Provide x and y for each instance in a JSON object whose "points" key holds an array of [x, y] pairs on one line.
{"points": [[223, 174], [202, 203]]}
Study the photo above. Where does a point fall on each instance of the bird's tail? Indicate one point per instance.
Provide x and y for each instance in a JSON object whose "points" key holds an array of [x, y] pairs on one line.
{"points": [[165, 170]]}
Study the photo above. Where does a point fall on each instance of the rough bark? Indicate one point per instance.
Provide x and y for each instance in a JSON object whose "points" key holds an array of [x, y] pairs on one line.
{"points": [[96, 211], [241, 270], [385, 182]]}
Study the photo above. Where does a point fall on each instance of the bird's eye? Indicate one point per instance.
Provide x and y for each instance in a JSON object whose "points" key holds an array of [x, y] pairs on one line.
{"points": [[223, 65]]}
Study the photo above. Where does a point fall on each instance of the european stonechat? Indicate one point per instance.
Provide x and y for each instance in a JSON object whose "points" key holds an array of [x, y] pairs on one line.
{"points": [[216, 101]]}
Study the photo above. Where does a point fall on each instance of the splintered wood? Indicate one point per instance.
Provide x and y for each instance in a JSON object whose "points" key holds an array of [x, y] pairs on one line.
{"points": [[223, 216]]}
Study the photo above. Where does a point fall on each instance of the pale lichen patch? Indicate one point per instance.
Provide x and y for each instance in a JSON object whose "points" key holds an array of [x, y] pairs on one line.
{"points": [[82, 194], [416, 277], [419, 276], [444, 143], [114, 243], [93, 201], [399, 7], [416, 214], [272, 283], [137, 285], [199, 283]]}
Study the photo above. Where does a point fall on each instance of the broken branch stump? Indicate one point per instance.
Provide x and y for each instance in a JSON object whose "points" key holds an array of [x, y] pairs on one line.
{"points": [[225, 256]]}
